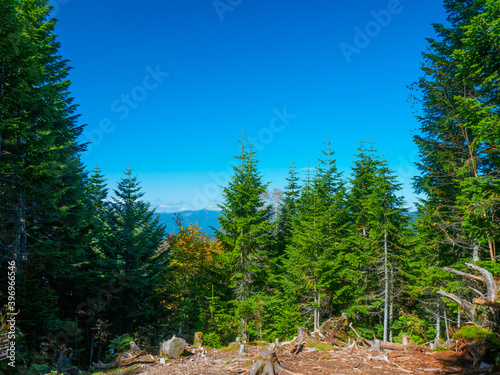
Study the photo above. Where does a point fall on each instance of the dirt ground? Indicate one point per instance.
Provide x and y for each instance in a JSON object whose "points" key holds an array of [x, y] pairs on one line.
{"points": [[347, 361]]}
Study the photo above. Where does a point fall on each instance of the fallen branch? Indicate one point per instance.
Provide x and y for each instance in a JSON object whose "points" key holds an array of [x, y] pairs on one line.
{"points": [[122, 362]]}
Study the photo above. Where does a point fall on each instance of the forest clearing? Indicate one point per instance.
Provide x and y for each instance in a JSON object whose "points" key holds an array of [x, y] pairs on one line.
{"points": [[307, 355]]}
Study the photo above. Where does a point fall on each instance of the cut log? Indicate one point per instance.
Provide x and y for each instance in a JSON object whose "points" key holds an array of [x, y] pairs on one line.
{"points": [[173, 348], [411, 347], [268, 364]]}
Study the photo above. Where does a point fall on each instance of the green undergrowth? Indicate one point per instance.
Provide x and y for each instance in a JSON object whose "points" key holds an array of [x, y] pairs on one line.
{"points": [[440, 349], [473, 332]]}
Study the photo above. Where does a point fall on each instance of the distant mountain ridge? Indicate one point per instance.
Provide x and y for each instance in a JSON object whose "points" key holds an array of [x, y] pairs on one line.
{"points": [[205, 219]]}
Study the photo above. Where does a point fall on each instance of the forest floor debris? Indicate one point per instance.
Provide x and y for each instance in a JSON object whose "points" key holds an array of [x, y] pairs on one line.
{"points": [[317, 362]]}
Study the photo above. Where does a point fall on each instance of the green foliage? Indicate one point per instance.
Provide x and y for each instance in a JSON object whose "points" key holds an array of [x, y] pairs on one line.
{"points": [[440, 349], [212, 340], [245, 231], [324, 347], [121, 343], [473, 332], [411, 325]]}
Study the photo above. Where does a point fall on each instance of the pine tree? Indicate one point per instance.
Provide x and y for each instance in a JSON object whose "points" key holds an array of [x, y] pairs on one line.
{"points": [[450, 147], [312, 255], [42, 179], [134, 251], [478, 62], [377, 234], [245, 230]]}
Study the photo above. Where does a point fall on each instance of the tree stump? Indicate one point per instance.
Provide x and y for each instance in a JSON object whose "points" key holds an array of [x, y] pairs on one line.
{"points": [[405, 340], [268, 364], [198, 340]]}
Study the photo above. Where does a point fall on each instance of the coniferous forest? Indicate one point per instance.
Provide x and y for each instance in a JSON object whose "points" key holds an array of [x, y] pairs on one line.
{"points": [[93, 266]]}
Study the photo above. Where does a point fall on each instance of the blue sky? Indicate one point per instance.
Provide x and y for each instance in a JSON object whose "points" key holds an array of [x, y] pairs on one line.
{"points": [[167, 87]]}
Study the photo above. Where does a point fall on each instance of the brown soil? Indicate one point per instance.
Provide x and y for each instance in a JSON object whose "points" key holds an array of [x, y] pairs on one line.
{"points": [[348, 361]]}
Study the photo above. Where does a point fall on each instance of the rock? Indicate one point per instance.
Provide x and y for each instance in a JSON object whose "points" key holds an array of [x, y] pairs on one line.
{"points": [[173, 348], [134, 347]]}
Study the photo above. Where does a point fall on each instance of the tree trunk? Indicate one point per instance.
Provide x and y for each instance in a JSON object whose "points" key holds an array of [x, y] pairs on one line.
{"points": [[475, 253], [386, 289], [391, 308], [438, 323]]}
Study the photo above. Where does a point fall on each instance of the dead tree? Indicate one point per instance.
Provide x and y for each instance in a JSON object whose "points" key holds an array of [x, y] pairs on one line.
{"points": [[488, 301]]}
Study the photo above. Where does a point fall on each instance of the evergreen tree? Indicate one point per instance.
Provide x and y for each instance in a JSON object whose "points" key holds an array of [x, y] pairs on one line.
{"points": [[379, 225], [478, 62], [450, 148], [135, 254], [245, 230], [42, 179], [312, 255]]}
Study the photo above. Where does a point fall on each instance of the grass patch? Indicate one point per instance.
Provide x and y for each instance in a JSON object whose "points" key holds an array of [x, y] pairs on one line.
{"points": [[249, 363], [230, 347], [324, 347], [440, 349], [107, 372], [325, 356]]}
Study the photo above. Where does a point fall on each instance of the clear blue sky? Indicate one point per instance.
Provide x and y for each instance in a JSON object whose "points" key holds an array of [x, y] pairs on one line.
{"points": [[167, 87]]}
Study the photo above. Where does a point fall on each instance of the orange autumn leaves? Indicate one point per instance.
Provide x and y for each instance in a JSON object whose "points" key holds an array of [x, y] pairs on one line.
{"points": [[194, 252]]}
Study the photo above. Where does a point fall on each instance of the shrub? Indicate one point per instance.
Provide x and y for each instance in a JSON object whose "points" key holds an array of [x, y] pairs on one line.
{"points": [[212, 340], [121, 343]]}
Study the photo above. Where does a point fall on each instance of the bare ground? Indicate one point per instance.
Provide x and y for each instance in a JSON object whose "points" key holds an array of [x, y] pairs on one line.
{"points": [[338, 362]]}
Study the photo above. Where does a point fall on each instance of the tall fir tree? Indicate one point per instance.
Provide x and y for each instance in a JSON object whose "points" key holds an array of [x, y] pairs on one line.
{"points": [[312, 255], [135, 253], [42, 179], [450, 148], [245, 230]]}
